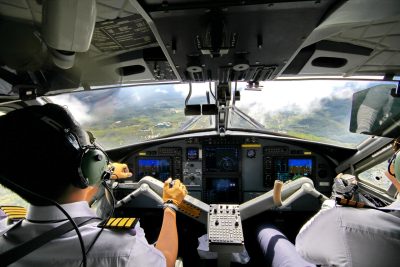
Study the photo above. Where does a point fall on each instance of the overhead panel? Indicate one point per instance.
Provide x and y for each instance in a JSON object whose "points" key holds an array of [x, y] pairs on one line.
{"points": [[124, 48], [225, 40], [366, 24], [121, 34]]}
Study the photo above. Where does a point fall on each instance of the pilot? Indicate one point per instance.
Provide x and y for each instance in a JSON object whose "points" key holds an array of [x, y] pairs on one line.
{"points": [[46, 158], [346, 236]]}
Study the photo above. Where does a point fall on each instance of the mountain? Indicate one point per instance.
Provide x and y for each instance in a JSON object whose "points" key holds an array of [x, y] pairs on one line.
{"points": [[331, 120]]}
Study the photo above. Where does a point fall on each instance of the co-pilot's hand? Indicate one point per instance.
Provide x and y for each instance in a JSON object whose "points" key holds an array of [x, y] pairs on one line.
{"points": [[120, 171], [174, 191], [344, 186]]}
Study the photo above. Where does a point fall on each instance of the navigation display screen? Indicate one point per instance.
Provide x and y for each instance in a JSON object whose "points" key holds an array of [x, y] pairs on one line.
{"points": [[300, 167], [222, 190], [192, 153], [159, 168], [292, 168], [221, 159]]}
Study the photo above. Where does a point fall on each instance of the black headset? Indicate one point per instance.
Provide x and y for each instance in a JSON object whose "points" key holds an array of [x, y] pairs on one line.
{"points": [[395, 160], [91, 162]]}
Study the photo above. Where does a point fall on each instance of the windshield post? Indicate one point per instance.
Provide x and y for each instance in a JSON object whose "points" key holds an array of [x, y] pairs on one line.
{"points": [[224, 96]]}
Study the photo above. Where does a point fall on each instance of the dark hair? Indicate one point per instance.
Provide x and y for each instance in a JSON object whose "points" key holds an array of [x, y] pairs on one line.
{"points": [[35, 153]]}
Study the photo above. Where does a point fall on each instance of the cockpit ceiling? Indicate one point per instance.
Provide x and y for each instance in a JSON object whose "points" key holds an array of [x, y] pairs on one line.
{"points": [[152, 41], [262, 37], [365, 34]]}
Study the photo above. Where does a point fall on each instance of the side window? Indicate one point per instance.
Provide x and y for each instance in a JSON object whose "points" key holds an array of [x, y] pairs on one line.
{"points": [[9, 198], [376, 176]]}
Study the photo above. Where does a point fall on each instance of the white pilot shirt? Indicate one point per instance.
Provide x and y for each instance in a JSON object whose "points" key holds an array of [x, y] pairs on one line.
{"points": [[3, 220], [113, 248], [350, 237]]}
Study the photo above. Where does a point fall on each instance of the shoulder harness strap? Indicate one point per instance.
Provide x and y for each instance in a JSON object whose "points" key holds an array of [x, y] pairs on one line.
{"points": [[16, 253]]}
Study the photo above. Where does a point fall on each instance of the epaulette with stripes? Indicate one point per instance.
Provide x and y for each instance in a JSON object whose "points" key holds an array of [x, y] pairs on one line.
{"points": [[14, 213], [119, 223]]}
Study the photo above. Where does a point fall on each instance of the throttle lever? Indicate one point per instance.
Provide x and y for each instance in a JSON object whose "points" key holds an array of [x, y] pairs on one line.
{"points": [[277, 196]]}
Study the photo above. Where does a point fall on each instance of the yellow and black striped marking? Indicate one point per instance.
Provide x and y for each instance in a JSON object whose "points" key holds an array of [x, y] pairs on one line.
{"points": [[119, 223], [189, 210], [14, 212]]}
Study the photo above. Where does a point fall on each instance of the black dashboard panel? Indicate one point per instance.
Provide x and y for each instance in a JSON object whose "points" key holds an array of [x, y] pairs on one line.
{"points": [[230, 169]]}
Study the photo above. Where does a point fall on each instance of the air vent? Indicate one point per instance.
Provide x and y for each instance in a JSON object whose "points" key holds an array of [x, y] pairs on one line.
{"points": [[130, 70], [329, 62], [328, 58]]}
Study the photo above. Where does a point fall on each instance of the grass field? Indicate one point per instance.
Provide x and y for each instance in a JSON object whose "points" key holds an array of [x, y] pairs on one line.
{"points": [[7, 197]]}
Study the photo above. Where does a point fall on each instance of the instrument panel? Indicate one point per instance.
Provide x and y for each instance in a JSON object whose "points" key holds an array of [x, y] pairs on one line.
{"points": [[230, 169]]}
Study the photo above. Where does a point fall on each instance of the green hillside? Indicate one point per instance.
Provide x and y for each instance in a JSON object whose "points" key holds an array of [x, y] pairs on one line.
{"points": [[7, 197]]}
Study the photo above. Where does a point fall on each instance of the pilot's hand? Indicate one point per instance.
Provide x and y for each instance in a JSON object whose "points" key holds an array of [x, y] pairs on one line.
{"points": [[174, 191], [344, 186], [120, 171]]}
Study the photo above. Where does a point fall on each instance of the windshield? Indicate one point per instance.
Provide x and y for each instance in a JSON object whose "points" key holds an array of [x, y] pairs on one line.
{"points": [[129, 115], [313, 110]]}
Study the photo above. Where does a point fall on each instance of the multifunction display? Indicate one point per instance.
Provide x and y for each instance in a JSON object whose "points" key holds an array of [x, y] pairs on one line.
{"points": [[292, 168], [286, 168], [222, 190], [221, 159], [159, 168], [192, 153]]}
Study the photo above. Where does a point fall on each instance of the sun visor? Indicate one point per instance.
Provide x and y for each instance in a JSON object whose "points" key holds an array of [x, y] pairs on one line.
{"points": [[376, 111]]}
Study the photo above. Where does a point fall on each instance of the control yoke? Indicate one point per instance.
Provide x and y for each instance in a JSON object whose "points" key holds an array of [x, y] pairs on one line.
{"points": [[283, 195], [289, 193]]}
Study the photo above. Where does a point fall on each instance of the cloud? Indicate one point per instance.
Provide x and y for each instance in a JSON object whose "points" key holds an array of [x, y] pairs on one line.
{"points": [[198, 89], [79, 109], [297, 96], [162, 91], [135, 97]]}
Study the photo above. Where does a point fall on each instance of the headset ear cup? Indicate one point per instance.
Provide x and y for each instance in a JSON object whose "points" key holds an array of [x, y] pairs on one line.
{"points": [[397, 166], [93, 164]]}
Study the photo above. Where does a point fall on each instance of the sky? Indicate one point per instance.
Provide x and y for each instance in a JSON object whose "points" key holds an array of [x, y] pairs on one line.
{"points": [[303, 97]]}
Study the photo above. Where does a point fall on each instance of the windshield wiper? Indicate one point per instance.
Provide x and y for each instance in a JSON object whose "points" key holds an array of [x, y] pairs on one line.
{"points": [[190, 123], [247, 118]]}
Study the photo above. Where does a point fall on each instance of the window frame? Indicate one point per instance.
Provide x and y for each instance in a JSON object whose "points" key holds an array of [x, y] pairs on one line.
{"points": [[369, 162]]}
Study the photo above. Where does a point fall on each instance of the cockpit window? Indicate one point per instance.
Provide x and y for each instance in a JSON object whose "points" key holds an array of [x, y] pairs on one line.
{"points": [[8, 197], [313, 110], [316, 110], [376, 176], [123, 116], [5, 109]]}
